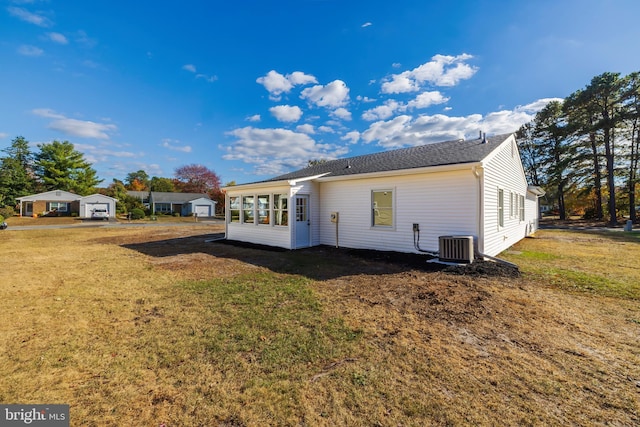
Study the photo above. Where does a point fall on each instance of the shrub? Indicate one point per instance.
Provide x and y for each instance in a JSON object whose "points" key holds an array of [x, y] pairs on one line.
{"points": [[176, 214], [7, 212], [137, 213], [1, 218]]}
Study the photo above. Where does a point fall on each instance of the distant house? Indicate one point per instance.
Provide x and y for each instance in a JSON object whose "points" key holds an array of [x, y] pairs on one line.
{"points": [[64, 203], [159, 202], [402, 200]]}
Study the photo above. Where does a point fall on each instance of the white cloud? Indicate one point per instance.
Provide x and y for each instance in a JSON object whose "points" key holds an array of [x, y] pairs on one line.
{"points": [[365, 99], [366, 24], [442, 70], [427, 99], [58, 38], [75, 127], [396, 65], [425, 129], [173, 145], [382, 112], [3, 135], [32, 18], [286, 113], [333, 95], [341, 113], [306, 128], [83, 39], [103, 154], [326, 129], [300, 78], [277, 84], [28, 50], [391, 106], [207, 78], [254, 118], [353, 137], [192, 69], [275, 151]]}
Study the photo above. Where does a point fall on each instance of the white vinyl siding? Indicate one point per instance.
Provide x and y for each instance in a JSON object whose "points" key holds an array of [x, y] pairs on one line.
{"points": [[277, 234], [503, 171], [442, 203]]}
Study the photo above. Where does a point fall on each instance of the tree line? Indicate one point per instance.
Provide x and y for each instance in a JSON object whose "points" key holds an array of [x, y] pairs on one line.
{"points": [[584, 150], [59, 166]]}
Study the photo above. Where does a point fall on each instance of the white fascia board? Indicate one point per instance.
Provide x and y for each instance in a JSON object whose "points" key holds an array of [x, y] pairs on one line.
{"points": [[399, 172], [293, 182], [254, 185], [271, 184], [534, 189]]}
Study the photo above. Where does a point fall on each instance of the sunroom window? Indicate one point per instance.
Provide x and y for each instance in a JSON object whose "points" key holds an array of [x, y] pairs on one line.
{"points": [[247, 210], [234, 209], [280, 209], [264, 209]]}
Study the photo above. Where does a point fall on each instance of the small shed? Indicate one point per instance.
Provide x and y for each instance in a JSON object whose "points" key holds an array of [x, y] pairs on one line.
{"points": [[400, 200]]}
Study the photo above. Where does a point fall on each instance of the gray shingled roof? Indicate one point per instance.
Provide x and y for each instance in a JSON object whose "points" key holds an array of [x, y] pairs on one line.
{"points": [[165, 197], [438, 154]]}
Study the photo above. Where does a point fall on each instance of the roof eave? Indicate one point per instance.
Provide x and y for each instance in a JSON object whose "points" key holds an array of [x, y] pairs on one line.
{"points": [[399, 172]]}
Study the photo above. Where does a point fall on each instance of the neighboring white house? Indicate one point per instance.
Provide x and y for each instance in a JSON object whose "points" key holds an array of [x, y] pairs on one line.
{"points": [[386, 201], [171, 202], [62, 203]]}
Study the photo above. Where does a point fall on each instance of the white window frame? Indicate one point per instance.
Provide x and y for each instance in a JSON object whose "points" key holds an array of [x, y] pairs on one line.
{"points": [[500, 208], [392, 209], [238, 209], [279, 212], [252, 209], [521, 213], [260, 209]]}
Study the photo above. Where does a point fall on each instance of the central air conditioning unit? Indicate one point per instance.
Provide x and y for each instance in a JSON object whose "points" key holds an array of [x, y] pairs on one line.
{"points": [[456, 249]]}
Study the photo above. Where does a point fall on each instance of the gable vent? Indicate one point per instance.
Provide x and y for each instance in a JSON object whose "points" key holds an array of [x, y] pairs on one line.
{"points": [[456, 249]]}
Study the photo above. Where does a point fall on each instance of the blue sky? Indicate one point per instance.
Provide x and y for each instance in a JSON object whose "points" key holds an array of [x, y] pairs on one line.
{"points": [[254, 89]]}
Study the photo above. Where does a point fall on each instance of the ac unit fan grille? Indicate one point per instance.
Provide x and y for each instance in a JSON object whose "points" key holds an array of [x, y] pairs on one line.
{"points": [[456, 249]]}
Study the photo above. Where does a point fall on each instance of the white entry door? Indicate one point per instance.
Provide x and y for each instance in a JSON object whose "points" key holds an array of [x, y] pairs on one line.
{"points": [[303, 223]]}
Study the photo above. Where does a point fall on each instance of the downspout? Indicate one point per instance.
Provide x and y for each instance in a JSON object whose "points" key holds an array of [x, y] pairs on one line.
{"points": [[478, 171]]}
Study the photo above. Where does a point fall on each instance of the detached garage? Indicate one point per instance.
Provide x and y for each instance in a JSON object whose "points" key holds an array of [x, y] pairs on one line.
{"points": [[200, 207], [89, 204]]}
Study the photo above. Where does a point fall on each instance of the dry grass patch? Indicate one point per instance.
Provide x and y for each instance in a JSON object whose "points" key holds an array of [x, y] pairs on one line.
{"points": [[142, 326]]}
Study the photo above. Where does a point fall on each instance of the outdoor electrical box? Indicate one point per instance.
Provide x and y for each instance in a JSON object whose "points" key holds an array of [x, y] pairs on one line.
{"points": [[334, 217]]}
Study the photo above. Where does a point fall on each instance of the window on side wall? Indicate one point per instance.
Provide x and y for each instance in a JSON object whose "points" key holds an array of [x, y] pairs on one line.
{"points": [[264, 209], [247, 210], [382, 208], [500, 207], [280, 209], [521, 208], [234, 209]]}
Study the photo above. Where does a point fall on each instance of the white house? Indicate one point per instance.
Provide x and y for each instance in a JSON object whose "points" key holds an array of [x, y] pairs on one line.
{"points": [[171, 202], [401, 200]]}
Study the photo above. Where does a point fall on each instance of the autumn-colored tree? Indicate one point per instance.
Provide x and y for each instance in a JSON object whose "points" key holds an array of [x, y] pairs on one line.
{"points": [[137, 181], [196, 179]]}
